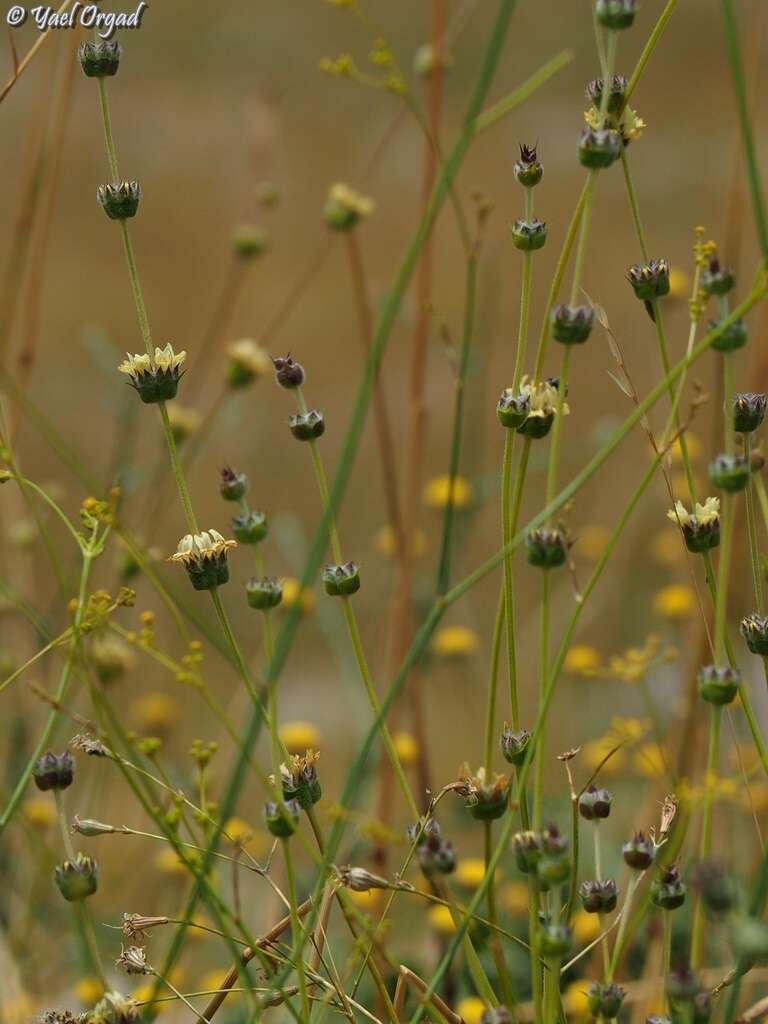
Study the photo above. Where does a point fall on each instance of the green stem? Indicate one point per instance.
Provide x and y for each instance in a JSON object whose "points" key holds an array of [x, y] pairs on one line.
{"points": [[108, 137], [538, 783], [754, 544], [705, 845], [510, 510], [178, 472], [493, 685], [618, 946], [666, 956], [296, 929], [498, 950]]}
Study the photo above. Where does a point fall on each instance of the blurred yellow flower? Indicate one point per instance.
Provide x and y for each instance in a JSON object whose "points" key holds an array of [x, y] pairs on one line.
{"points": [[515, 896], [583, 660], [586, 927], [155, 712], [591, 542], [575, 999], [167, 861], [666, 550], [257, 843], [648, 761], [679, 283], [470, 871], [455, 641], [89, 990], [299, 737], [676, 601], [370, 901], [440, 919], [213, 980], [385, 542], [470, 1009], [437, 492], [406, 747], [593, 753], [16, 1007], [293, 594], [39, 812], [693, 446], [144, 992]]}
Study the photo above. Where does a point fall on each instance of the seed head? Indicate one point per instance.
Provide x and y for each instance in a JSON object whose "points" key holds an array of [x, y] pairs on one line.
{"points": [[344, 207], [249, 241], [748, 411], [341, 580], [133, 960], [250, 527], [247, 362], [718, 684], [754, 629], [307, 426], [732, 337], [204, 556], [571, 325], [77, 879], [232, 486], [528, 170], [529, 235], [282, 821], [729, 472], [100, 58], [54, 771], [599, 147], [288, 373], [119, 200]]}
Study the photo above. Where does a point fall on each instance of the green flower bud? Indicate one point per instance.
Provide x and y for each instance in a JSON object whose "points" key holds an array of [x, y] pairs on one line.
{"points": [[528, 170], [599, 148], [101, 58], [750, 939], [595, 803], [546, 548], [341, 580], [599, 897], [54, 771], [436, 855], [616, 93], [668, 889], [155, 378], [552, 869], [249, 241], [555, 940], [729, 472], [299, 780], [204, 556], [716, 279], [232, 486], [288, 373], [616, 14], [512, 410], [307, 426], [651, 280], [514, 745], [605, 1000], [571, 325], [638, 853], [748, 411], [734, 336], [754, 629], [250, 527], [282, 822], [527, 848], [717, 888], [529, 234], [77, 879], [114, 1008], [264, 593], [120, 200], [718, 684]]}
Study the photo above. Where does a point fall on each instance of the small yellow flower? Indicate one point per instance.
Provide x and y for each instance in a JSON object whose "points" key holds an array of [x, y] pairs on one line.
{"points": [[88, 990], [440, 919], [693, 446], [199, 548], [293, 594], [470, 872], [345, 207], [515, 897], [370, 902], [455, 641], [386, 542], [406, 748], [583, 660], [591, 542], [437, 492], [257, 843], [39, 812], [155, 712], [299, 737], [666, 550], [586, 927], [679, 283], [167, 861], [470, 1009], [648, 761], [16, 1007], [593, 753], [676, 601], [575, 999]]}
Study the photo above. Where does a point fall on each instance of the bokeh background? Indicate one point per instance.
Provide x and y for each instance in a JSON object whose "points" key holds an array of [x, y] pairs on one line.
{"points": [[212, 103]]}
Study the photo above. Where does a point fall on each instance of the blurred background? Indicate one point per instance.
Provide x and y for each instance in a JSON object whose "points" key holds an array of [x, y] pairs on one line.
{"points": [[225, 117]]}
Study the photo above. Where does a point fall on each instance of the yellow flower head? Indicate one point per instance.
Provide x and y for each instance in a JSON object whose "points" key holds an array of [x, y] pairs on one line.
{"points": [[293, 594], [345, 207], [470, 872], [591, 542], [441, 920], [299, 736], [583, 660], [89, 990], [666, 550], [702, 515], [168, 863], [586, 927], [155, 377], [406, 748], [386, 542], [455, 642], [437, 492], [676, 601], [542, 398], [196, 549], [576, 1000], [39, 812], [470, 1009], [648, 761], [155, 712], [679, 283], [515, 897]]}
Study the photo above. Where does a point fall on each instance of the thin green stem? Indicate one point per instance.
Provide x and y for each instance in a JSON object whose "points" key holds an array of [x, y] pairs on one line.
{"points": [[754, 544], [493, 685], [108, 137], [510, 510], [618, 946], [666, 954], [705, 845], [296, 928], [538, 782], [496, 946]]}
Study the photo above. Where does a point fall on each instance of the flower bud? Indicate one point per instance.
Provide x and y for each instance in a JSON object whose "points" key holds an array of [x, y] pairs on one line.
{"points": [[89, 827], [248, 241], [716, 279], [748, 411], [638, 853], [341, 580], [250, 527], [554, 865], [729, 472], [616, 93], [750, 939], [120, 200], [436, 855], [668, 889], [717, 888], [512, 410], [546, 548], [529, 235], [307, 426], [78, 878], [701, 528], [651, 280], [571, 325], [615, 14], [282, 821], [54, 771], [599, 897], [361, 880], [232, 486], [734, 336], [155, 378], [718, 684], [264, 593], [345, 207], [754, 629], [599, 148], [528, 849], [514, 745], [247, 361], [605, 1000], [595, 803], [299, 780], [204, 556], [288, 373], [554, 940], [115, 1008], [528, 170], [100, 58]]}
